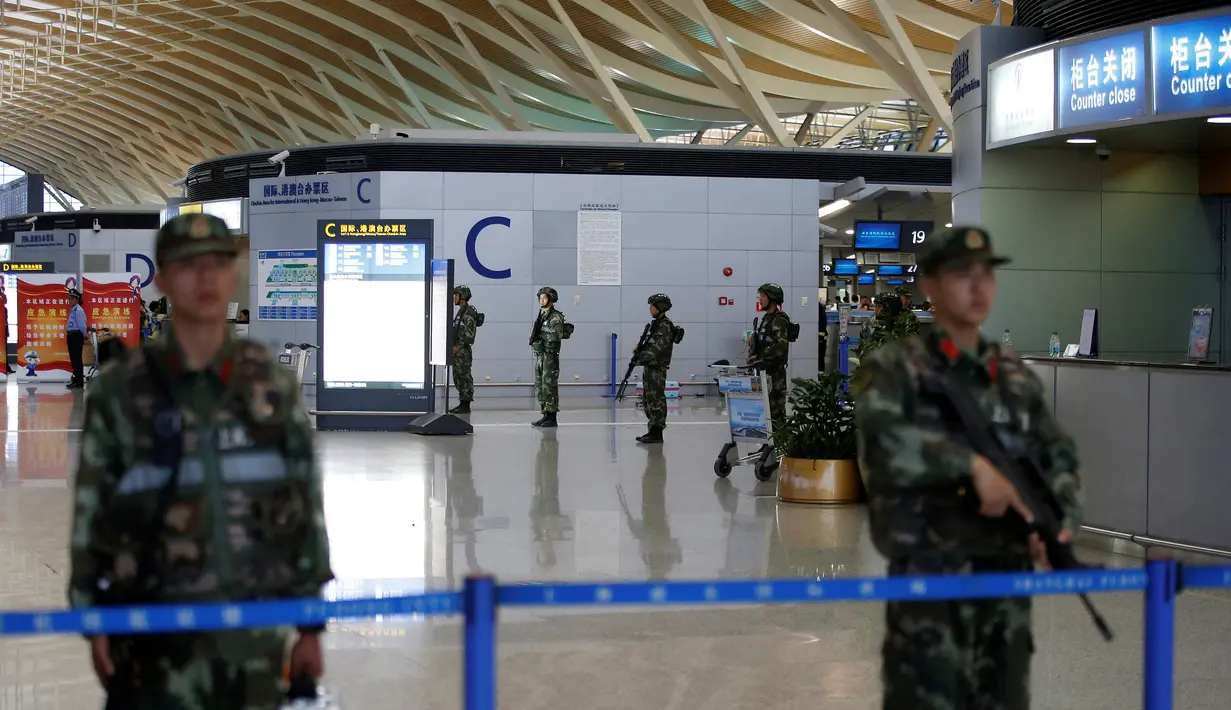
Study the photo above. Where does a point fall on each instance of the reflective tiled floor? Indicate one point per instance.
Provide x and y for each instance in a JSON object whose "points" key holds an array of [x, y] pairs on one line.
{"points": [[582, 502]]}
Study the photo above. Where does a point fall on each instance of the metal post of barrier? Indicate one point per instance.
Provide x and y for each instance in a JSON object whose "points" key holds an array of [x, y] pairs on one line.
{"points": [[1162, 585], [479, 644], [614, 384], [844, 354]]}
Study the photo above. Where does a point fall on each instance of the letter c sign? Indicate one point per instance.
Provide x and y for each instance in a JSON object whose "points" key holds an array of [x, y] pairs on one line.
{"points": [[472, 255]]}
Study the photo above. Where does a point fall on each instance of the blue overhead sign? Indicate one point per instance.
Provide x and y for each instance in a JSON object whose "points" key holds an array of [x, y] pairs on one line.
{"points": [[1102, 81], [1192, 63]]}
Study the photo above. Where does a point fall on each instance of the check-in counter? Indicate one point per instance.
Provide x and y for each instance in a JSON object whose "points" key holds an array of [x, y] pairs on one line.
{"points": [[1154, 442]]}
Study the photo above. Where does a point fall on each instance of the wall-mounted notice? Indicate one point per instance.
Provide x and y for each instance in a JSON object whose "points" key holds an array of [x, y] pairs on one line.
{"points": [[1199, 334], [1190, 62], [1102, 81], [598, 245], [286, 285]]}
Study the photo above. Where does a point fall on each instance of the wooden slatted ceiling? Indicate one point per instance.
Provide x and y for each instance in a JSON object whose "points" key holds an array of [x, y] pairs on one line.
{"points": [[982, 13], [758, 18]]}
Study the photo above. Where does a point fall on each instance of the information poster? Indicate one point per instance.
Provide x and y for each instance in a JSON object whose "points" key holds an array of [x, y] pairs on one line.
{"points": [[113, 301], [442, 311], [286, 285], [598, 246], [42, 313], [364, 347], [1199, 334], [747, 409]]}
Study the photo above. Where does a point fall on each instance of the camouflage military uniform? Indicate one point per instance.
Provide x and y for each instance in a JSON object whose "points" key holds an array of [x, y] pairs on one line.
{"points": [[773, 347], [655, 358], [244, 521], [546, 346], [924, 515], [465, 326]]}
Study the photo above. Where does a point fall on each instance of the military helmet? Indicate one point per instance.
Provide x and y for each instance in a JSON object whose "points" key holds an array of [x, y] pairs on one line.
{"points": [[551, 293], [774, 291], [661, 301], [190, 234], [463, 291]]}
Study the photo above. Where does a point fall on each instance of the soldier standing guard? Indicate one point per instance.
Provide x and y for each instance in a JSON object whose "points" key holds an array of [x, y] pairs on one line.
{"points": [[197, 483], [465, 325], [654, 354], [771, 344], [545, 339], [937, 507]]}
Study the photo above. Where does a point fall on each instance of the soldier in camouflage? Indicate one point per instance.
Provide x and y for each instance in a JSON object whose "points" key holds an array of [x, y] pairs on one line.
{"points": [[654, 355], [908, 319], [938, 508], [545, 340], [465, 326], [197, 483], [771, 344]]}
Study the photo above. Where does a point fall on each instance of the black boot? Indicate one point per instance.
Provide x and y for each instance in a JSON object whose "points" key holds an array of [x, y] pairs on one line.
{"points": [[653, 436], [549, 420], [461, 408], [540, 420]]}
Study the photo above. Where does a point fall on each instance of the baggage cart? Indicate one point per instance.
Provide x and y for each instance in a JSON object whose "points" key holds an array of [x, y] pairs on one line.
{"points": [[746, 390], [296, 357]]}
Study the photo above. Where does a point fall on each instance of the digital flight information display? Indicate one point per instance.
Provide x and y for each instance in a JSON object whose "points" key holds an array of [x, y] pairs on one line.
{"points": [[373, 292], [878, 235]]}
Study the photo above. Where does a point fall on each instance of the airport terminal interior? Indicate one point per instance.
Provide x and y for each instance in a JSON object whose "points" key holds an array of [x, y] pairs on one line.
{"points": [[366, 157]]}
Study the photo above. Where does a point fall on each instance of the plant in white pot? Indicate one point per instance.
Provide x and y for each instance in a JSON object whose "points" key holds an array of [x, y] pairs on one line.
{"points": [[818, 443]]}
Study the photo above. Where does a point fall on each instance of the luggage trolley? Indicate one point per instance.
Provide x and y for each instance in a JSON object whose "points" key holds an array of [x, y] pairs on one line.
{"points": [[747, 393], [296, 357]]}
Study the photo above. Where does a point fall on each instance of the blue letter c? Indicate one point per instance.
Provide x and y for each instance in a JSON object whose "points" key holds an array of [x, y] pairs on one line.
{"points": [[359, 190], [472, 255]]}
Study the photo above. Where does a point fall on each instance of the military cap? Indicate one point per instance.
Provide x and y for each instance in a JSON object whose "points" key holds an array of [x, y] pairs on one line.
{"points": [[74, 293], [190, 234], [463, 291], [958, 246]]}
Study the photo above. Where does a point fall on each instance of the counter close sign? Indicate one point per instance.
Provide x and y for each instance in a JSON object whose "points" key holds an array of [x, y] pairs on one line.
{"points": [[1192, 65], [1102, 81]]}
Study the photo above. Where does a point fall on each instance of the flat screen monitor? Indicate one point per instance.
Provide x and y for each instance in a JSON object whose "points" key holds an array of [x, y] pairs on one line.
{"points": [[895, 282], [867, 279], [882, 236], [890, 270], [360, 348], [845, 267]]}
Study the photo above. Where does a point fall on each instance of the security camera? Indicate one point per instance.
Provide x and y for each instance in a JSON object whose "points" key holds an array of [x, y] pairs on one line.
{"points": [[31, 220], [97, 227], [179, 183], [374, 130], [828, 230], [1103, 153], [280, 157]]}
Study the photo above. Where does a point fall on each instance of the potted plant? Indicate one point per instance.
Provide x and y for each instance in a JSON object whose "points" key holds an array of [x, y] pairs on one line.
{"points": [[818, 444]]}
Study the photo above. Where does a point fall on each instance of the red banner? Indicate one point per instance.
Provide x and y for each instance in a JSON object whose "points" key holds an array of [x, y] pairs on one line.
{"points": [[113, 301], [42, 314]]}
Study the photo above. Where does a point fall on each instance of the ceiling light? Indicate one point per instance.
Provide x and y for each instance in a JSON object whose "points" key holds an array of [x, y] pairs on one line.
{"points": [[948, 225], [1082, 141], [832, 207], [1218, 119], [852, 256], [850, 231]]}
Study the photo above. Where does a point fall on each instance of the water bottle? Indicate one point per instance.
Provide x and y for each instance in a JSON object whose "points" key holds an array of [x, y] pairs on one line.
{"points": [[1055, 344], [1005, 340]]}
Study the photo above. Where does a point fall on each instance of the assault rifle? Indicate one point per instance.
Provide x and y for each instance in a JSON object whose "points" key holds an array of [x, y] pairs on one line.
{"points": [[632, 363], [1022, 471], [534, 330]]}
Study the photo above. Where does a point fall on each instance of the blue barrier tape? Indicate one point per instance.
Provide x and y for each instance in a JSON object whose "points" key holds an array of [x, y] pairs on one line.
{"points": [[214, 617], [1205, 576], [803, 590]]}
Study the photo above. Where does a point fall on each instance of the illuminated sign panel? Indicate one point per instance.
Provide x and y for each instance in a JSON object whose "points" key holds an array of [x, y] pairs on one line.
{"points": [[1102, 81], [1022, 97], [1192, 65]]}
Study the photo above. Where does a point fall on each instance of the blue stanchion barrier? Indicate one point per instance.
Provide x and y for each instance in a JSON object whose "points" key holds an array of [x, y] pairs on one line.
{"points": [[1161, 580], [838, 590], [214, 617]]}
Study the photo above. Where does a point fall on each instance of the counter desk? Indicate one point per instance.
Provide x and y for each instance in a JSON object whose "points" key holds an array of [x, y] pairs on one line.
{"points": [[1154, 442]]}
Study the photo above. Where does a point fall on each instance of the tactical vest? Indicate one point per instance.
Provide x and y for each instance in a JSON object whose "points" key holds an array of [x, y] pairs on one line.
{"points": [[240, 514], [940, 529]]}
